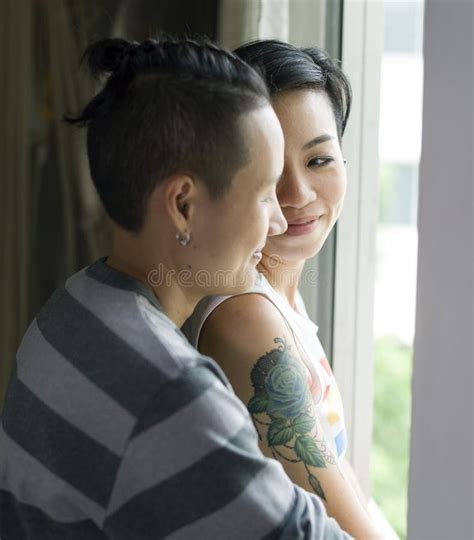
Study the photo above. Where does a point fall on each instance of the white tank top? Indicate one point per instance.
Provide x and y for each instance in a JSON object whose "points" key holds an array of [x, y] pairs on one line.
{"points": [[321, 379]]}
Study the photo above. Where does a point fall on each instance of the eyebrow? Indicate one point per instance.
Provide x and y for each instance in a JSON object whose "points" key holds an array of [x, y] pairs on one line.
{"points": [[318, 140]]}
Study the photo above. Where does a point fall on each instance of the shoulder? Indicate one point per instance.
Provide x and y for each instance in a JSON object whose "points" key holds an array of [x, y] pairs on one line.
{"points": [[249, 320], [115, 339], [243, 332]]}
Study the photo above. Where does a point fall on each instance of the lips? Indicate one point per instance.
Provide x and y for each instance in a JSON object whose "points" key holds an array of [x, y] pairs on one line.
{"points": [[303, 221], [301, 226]]}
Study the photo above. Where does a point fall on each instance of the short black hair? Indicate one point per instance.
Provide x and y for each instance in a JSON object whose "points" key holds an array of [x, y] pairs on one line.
{"points": [[168, 105], [286, 67]]}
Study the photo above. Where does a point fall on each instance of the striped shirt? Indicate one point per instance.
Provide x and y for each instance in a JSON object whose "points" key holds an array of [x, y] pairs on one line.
{"points": [[115, 427]]}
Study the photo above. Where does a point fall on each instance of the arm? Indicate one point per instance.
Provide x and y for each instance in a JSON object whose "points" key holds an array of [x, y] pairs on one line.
{"points": [[370, 506], [352, 478], [263, 365], [192, 469]]}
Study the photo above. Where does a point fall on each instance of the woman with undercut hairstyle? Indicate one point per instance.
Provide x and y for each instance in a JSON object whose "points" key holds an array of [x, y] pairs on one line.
{"points": [[264, 339]]}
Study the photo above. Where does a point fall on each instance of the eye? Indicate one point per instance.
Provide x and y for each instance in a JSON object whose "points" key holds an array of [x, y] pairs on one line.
{"points": [[268, 199], [320, 161]]}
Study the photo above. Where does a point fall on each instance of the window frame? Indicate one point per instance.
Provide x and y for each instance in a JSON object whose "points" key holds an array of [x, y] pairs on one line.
{"points": [[362, 49]]}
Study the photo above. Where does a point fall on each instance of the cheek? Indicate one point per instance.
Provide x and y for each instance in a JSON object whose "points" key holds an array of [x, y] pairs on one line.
{"points": [[336, 190], [237, 236], [261, 220], [213, 236], [254, 227]]}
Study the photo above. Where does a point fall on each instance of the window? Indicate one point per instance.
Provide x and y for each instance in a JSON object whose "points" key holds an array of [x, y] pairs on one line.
{"points": [[362, 47], [396, 255], [376, 244]]}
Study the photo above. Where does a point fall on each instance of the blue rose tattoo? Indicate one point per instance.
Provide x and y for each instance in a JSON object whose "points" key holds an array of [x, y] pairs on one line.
{"points": [[281, 392], [287, 390]]}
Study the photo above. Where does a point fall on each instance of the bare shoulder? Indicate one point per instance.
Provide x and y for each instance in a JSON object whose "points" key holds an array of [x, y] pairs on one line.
{"points": [[241, 333], [246, 323]]}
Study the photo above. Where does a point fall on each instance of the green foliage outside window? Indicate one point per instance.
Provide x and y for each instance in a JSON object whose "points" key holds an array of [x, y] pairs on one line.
{"points": [[392, 413]]}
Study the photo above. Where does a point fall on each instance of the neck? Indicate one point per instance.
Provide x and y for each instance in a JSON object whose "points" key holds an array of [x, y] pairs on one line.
{"points": [[283, 276], [157, 275]]}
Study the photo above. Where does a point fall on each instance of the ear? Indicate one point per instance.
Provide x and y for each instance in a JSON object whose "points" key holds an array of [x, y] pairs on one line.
{"points": [[179, 198]]}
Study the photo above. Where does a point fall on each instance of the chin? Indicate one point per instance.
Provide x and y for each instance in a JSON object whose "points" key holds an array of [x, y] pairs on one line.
{"points": [[299, 255], [296, 251]]}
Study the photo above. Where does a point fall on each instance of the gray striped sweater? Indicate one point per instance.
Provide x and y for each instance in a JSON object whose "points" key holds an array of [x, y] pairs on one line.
{"points": [[115, 427]]}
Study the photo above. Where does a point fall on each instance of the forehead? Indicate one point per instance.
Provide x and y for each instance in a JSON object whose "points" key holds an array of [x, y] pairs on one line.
{"points": [[265, 143], [305, 114]]}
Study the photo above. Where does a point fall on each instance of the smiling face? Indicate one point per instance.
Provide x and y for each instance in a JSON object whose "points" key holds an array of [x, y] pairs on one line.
{"points": [[312, 188], [230, 232]]}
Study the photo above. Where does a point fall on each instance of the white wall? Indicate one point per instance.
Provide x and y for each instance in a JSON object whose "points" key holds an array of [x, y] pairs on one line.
{"points": [[441, 473]]}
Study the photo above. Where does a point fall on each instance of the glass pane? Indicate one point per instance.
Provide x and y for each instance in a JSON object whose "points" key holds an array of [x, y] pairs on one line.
{"points": [[395, 282]]}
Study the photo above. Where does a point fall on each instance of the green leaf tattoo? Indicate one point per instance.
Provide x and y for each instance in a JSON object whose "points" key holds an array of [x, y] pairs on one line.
{"points": [[316, 485], [307, 450], [304, 423], [279, 433], [281, 392], [258, 404]]}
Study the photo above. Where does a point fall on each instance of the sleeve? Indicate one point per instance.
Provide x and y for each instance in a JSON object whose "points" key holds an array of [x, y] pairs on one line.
{"points": [[192, 469]]}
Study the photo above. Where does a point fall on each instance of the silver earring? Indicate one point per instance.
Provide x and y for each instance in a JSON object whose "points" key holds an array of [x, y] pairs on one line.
{"points": [[183, 238]]}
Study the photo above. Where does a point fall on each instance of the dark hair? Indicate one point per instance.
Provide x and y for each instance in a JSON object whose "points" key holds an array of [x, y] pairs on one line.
{"points": [[167, 106], [286, 67]]}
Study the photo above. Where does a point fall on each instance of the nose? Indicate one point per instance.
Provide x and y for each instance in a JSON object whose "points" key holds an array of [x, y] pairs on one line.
{"points": [[294, 191], [278, 224]]}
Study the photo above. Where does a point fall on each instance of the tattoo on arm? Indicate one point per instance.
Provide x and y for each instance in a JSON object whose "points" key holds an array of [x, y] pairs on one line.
{"points": [[282, 403]]}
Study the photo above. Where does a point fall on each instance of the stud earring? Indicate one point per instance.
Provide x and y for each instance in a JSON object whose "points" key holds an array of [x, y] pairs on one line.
{"points": [[183, 238]]}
